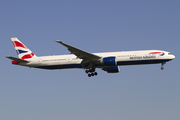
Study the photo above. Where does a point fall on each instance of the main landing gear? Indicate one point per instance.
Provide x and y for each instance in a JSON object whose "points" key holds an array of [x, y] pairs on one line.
{"points": [[162, 64], [91, 72]]}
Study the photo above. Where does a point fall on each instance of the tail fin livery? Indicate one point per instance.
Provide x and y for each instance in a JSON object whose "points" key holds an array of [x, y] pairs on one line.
{"points": [[22, 51]]}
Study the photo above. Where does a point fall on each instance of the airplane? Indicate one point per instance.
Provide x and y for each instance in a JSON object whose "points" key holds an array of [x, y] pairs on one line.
{"points": [[107, 61]]}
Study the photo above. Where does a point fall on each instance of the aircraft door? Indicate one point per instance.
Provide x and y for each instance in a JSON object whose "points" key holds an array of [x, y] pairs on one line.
{"points": [[69, 59], [40, 61]]}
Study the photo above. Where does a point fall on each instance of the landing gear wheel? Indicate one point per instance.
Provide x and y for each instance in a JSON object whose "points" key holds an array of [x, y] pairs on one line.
{"points": [[91, 72], [87, 71], [95, 73], [89, 75], [162, 68]]}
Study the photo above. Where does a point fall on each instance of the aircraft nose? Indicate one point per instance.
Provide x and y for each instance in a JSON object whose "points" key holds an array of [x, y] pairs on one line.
{"points": [[173, 56]]}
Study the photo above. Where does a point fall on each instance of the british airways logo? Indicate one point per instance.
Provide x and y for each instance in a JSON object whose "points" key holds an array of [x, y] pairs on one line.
{"points": [[160, 53], [142, 57]]}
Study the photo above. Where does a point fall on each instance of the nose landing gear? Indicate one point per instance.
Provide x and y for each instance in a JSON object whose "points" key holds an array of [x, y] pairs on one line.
{"points": [[91, 72], [162, 64]]}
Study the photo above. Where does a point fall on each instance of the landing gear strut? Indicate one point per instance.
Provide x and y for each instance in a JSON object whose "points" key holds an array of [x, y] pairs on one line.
{"points": [[162, 64], [91, 72]]}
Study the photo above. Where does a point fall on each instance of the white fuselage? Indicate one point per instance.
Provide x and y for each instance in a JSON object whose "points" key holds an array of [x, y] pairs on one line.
{"points": [[122, 58]]}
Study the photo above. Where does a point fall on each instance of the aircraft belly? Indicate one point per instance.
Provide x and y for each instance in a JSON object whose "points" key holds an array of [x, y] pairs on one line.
{"points": [[60, 66], [138, 62]]}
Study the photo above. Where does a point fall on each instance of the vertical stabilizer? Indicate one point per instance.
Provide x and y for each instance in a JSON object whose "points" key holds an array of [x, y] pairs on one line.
{"points": [[22, 51]]}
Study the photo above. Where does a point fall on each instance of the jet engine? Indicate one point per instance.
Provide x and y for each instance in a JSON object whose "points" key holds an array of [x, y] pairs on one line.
{"points": [[109, 61], [114, 69]]}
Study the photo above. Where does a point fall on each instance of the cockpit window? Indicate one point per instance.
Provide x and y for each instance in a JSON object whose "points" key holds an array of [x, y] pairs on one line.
{"points": [[169, 54]]}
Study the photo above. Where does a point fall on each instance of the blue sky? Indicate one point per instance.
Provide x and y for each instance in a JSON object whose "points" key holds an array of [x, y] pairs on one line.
{"points": [[137, 92]]}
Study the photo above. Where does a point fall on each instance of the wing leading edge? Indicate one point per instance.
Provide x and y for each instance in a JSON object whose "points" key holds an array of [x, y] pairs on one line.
{"points": [[86, 56]]}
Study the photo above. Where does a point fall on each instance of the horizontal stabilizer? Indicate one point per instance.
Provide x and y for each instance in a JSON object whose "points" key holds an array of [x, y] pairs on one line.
{"points": [[17, 59]]}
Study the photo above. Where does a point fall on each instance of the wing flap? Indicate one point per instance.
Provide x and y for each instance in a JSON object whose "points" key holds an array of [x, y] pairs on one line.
{"points": [[17, 59]]}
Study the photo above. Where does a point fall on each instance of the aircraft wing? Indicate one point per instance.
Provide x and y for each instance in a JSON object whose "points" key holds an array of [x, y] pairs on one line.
{"points": [[17, 59], [80, 53]]}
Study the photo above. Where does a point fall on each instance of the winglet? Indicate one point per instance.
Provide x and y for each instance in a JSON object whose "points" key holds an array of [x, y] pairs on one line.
{"points": [[58, 41], [63, 43]]}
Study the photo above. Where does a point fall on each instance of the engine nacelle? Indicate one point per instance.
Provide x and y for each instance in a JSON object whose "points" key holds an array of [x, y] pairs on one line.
{"points": [[114, 69], [109, 61]]}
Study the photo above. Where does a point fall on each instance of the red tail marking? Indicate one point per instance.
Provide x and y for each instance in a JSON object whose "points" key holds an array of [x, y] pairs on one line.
{"points": [[18, 44], [28, 56]]}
